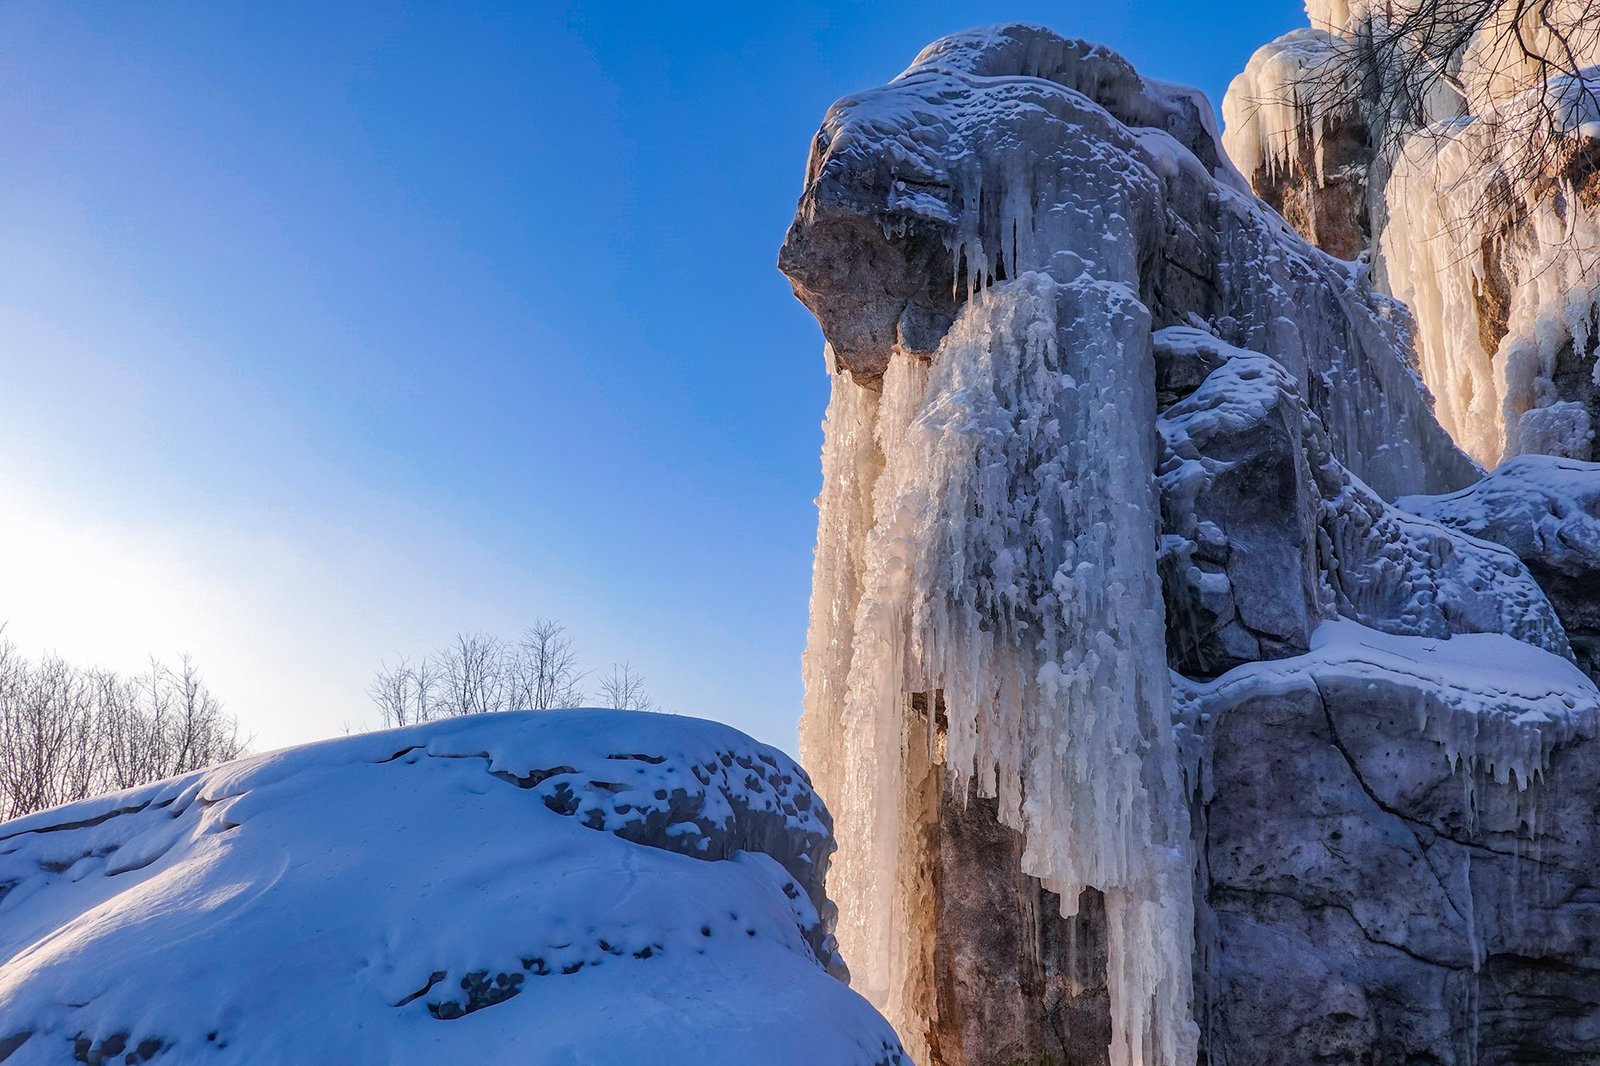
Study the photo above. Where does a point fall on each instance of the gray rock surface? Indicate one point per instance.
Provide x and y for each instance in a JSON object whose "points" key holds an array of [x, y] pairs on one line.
{"points": [[1373, 902], [1266, 533]]}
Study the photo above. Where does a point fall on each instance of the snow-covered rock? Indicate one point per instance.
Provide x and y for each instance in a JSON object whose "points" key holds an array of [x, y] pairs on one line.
{"points": [[1267, 533], [549, 887], [1547, 511], [1098, 411]]}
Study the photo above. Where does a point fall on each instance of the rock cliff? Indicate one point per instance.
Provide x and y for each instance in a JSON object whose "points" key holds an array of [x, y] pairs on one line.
{"points": [[1182, 692], [1455, 148]]}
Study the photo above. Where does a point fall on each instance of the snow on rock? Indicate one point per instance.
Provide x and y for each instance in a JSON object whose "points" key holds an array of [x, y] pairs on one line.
{"points": [[1267, 533], [989, 242], [558, 887], [1010, 149], [1547, 511], [1494, 705], [1289, 123], [1397, 852]]}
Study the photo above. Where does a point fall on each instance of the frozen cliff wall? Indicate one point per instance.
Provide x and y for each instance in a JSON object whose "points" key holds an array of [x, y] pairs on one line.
{"points": [[1471, 185], [1099, 414], [551, 887]]}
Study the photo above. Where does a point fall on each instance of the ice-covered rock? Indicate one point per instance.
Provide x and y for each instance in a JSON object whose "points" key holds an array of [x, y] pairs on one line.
{"points": [[551, 887], [1094, 406], [1476, 200]]}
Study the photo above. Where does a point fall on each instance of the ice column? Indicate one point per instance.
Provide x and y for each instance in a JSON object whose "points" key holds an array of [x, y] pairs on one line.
{"points": [[988, 531]]}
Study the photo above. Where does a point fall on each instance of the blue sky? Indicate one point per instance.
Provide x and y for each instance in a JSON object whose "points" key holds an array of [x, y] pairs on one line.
{"points": [[327, 331]]}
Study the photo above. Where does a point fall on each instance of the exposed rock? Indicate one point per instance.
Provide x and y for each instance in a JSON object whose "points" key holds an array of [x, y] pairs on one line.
{"points": [[1382, 889], [1307, 156], [1266, 532]]}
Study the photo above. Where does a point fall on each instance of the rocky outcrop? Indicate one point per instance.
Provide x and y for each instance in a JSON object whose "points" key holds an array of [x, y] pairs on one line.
{"points": [[1462, 161], [1547, 511], [1306, 152], [1375, 902], [1375, 708], [585, 885], [1266, 533]]}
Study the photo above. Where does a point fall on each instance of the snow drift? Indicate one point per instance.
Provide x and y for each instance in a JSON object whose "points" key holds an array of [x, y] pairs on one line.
{"points": [[554, 887]]}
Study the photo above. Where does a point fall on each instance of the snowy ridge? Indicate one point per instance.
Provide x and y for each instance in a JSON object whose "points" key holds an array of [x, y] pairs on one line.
{"points": [[1494, 705], [562, 887]]}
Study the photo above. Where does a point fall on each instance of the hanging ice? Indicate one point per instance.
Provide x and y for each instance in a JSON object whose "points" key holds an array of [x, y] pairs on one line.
{"points": [[1476, 202], [1009, 564]]}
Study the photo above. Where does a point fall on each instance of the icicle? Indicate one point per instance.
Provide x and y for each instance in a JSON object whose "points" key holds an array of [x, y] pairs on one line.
{"points": [[1010, 564]]}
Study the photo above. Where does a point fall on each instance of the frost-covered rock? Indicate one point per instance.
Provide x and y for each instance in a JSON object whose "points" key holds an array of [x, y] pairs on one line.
{"points": [[551, 887], [1547, 511], [1288, 126]]}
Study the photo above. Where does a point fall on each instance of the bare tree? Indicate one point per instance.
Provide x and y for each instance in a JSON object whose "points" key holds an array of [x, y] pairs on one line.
{"points": [[478, 673], [623, 688], [1523, 68], [475, 676], [551, 667], [67, 732], [405, 694]]}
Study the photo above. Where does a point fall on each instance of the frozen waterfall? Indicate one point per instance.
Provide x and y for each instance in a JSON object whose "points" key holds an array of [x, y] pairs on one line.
{"points": [[988, 539]]}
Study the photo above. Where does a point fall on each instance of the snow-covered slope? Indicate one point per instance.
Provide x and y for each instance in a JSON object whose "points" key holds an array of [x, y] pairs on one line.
{"points": [[553, 887]]}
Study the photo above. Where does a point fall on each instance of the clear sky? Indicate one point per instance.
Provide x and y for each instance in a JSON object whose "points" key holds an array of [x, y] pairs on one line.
{"points": [[329, 330]]}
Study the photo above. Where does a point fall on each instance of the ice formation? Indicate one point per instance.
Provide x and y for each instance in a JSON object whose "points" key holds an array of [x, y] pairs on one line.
{"points": [[988, 534], [1017, 250], [1477, 205], [556, 887], [1010, 567], [1366, 559], [987, 539]]}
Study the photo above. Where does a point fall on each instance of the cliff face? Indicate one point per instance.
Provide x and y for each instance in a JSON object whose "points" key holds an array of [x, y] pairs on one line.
{"points": [[1148, 715], [1472, 188]]}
